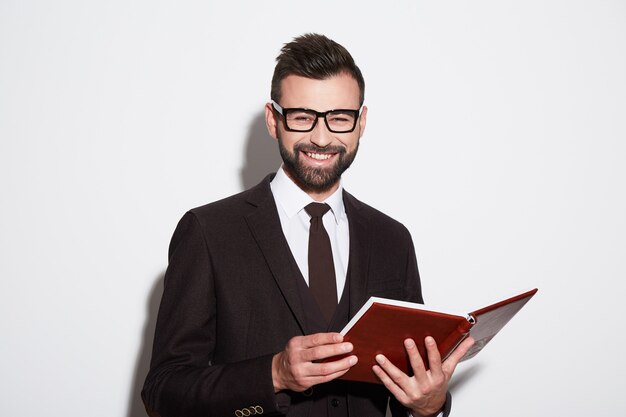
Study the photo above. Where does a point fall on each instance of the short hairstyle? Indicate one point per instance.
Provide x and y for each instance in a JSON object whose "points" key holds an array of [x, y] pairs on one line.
{"points": [[314, 56]]}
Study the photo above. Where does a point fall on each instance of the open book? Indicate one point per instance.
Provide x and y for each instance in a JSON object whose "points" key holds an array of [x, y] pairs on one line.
{"points": [[382, 325]]}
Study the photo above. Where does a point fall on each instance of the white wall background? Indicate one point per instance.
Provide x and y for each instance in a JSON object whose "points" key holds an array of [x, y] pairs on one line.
{"points": [[496, 134]]}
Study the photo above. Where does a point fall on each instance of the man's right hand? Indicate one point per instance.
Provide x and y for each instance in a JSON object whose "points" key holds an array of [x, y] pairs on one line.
{"points": [[296, 369]]}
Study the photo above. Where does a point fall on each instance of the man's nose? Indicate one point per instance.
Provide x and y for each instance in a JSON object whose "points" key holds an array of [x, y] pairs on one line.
{"points": [[320, 135]]}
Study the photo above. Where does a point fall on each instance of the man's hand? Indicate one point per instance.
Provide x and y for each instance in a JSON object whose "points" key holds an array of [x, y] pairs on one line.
{"points": [[424, 393], [295, 369]]}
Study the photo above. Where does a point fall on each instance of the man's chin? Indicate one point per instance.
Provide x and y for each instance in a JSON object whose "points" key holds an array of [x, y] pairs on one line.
{"points": [[316, 179]]}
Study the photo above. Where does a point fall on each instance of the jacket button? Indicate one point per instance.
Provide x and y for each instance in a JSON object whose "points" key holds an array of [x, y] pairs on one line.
{"points": [[334, 402]]}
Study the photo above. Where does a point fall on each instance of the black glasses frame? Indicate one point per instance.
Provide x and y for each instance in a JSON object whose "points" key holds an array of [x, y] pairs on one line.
{"points": [[285, 111]]}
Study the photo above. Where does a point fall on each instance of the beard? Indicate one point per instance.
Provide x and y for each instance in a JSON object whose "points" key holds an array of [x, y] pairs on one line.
{"points": [[312, 178]]}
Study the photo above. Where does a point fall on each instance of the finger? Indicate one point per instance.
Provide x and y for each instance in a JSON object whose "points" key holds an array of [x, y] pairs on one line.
{"points": [[391, 386], [330, 368], [320, 379], [396, 375], [326, 351], [416, 361], [458, 353], [319, 339], [434, 358]]}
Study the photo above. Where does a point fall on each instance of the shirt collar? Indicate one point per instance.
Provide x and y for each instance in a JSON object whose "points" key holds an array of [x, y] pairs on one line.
{"points": [[292, 199]]}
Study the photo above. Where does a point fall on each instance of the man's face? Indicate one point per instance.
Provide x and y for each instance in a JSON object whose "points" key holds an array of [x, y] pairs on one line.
{"points": [[315, 160]]}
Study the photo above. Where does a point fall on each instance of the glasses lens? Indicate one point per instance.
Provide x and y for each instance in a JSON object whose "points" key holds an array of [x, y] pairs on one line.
{"points": [[300, 119], [341, 121]]}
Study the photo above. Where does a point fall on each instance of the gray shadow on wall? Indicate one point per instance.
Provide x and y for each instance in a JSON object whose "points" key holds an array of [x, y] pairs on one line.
{"points": [[463, 376], [142, 363], [261, 153]]}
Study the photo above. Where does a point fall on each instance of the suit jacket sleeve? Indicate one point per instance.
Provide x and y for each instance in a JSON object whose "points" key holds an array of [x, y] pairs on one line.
{"points": [[183, 380]]}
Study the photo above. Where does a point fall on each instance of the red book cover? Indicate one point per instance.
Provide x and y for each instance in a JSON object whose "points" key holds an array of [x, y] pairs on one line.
{"points": [[382, 325]]}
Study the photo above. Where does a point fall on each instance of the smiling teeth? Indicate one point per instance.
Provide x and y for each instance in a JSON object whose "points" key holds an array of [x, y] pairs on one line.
{"points": [[318, 156]]}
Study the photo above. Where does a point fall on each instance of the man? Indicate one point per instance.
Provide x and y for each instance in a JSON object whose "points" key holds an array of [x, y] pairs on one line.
{"points": [[249, 313]]}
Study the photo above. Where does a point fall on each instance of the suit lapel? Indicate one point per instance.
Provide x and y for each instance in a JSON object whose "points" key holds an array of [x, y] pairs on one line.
{"points": [[265, 227], [359, 252], [267, 231]]}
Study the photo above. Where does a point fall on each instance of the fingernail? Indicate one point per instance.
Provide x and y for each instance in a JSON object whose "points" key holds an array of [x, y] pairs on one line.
{"points": [[409, 343], [380, 359], [353, 360], [347, 347], [430, 340]]}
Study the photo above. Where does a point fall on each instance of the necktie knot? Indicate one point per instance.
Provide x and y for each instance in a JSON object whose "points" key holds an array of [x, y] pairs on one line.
{"points": [[317, 209]]}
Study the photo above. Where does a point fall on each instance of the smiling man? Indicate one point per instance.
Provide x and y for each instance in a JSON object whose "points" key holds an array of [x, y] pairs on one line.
{"points": [[259, 284]]}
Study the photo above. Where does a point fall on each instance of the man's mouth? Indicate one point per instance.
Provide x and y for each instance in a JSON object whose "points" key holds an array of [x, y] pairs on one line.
{"points": [[318, 156]]}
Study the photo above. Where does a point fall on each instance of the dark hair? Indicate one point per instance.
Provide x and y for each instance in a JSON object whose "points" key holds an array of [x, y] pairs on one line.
{"points": [[314, 56]]}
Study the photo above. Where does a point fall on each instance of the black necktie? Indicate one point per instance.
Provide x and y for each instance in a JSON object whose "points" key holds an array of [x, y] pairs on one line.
{"points": [[321, 268]]}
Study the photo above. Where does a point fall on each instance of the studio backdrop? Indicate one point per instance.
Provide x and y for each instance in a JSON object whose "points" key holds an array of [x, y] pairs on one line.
{"points": [[496, 133]]}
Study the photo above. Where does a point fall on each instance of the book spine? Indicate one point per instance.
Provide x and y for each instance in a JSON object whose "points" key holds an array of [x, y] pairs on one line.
{"points": [[454, 339]]}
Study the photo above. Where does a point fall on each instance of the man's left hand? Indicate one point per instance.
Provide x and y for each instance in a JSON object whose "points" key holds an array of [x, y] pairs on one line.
{"points": [[424, 393]]}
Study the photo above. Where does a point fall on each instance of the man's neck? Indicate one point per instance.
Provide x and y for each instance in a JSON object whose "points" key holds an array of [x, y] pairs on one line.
{"points": [[322, 196]]}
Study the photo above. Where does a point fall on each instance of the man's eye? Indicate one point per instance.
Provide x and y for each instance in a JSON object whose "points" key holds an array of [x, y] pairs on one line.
{"points": [[301, 118], [341, 119]]}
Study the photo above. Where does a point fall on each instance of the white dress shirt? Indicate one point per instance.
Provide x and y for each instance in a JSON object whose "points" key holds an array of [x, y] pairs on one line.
{"points": [[295, 222]]}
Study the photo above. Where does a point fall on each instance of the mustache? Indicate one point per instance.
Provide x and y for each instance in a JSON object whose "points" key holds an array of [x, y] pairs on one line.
{"points": [[311, 147]]}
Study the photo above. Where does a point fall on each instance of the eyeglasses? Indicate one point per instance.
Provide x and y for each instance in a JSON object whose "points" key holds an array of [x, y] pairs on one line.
{"points": [[304, 120]]}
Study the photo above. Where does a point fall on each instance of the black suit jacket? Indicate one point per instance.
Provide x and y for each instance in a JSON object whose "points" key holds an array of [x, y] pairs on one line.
{"points": [[231, 302]]}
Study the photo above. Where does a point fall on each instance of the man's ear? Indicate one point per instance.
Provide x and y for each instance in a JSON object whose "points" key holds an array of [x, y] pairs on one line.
{"points": [[362, 121], [271, 120]]}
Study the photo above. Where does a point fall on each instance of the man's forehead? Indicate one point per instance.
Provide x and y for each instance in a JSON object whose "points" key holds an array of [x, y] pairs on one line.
{"points": [[335, 92]]}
